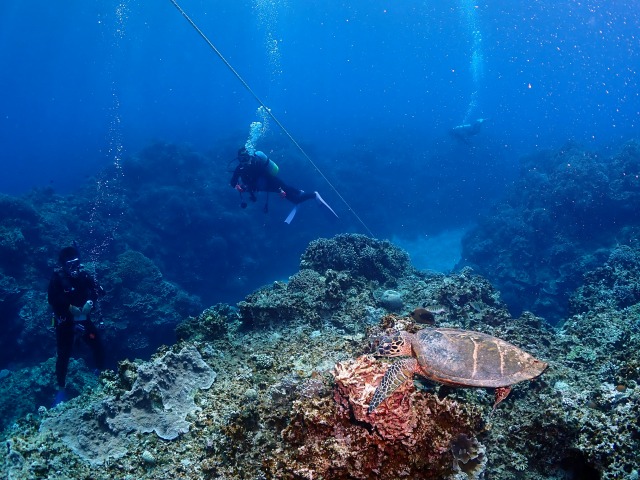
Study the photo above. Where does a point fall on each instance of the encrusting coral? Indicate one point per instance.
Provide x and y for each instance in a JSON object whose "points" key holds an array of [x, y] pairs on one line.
{"points": [[159, 400]]}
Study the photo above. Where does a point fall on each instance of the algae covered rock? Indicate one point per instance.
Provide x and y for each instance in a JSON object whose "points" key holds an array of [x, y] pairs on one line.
{"points": [[214, 323], [360, 255]]}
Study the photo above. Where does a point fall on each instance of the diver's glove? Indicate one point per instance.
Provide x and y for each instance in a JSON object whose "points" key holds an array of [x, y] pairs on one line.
{"points": [[88, 306], [80, 315]]}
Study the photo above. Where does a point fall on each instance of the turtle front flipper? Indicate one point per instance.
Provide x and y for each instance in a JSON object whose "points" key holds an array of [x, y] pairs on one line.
{"points": [[398, 373]]}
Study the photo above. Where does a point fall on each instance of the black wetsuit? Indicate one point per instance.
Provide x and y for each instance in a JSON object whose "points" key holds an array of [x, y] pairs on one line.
{"points": [[63, 292], [252, 176]]}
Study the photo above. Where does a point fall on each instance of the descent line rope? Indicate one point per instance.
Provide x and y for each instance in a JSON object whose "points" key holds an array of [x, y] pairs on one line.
{"points": [[269, 112]]}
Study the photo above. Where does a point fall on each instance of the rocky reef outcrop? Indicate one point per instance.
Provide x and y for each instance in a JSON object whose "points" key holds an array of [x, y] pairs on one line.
{"points": [[151, 235], [560, 220], [294, 377]]}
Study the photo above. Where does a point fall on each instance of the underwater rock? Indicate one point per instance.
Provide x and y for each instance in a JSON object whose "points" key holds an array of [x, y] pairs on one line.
{"points": [[391, 300], [148, 458], [361, 256]]}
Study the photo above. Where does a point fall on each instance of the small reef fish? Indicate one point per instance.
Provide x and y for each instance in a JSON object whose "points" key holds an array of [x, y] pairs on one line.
{"points": [[424, 315]]}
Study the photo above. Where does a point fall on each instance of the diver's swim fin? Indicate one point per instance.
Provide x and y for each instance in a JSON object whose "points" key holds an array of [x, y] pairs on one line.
{"points": [[320, 201], [325, 204], [291, 215]]}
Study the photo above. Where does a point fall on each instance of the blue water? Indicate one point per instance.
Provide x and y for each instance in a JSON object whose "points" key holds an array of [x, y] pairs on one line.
{"points": [[78, 78]]}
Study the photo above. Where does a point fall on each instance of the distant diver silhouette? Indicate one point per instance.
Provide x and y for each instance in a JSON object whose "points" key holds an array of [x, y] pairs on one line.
{"points": [[465, 131]]}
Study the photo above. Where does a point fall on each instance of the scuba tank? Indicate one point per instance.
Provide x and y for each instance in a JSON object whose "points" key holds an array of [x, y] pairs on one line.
{"points": [[269, 165]]}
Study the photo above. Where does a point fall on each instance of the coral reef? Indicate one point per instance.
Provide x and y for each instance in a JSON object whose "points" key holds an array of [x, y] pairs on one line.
{"points": [[558, 222], [139, 300], [159, 400], [180, 220], [614, 285], [294, 383], [358, 255], [141, 303]]}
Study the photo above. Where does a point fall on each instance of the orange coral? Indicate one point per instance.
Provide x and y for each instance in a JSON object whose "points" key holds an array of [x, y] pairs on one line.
{"points": [[356, 381], [409, 436]]}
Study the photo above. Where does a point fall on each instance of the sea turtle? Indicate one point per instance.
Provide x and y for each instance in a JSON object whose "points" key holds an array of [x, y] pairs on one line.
{"points": [[454, 357]]}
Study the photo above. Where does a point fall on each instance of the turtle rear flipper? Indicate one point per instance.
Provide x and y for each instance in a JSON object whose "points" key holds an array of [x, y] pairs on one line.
{"points": [[398, 373]]}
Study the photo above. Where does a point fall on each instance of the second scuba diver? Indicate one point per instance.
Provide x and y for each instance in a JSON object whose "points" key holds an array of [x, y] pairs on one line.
{"points": [[257, 173]]}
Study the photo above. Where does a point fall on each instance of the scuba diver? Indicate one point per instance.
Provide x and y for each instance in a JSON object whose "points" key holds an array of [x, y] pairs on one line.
{"points": [[465, 131], [72, 295], [257, 173]]}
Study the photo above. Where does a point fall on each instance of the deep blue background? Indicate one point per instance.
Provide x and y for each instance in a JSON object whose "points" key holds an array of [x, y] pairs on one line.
{"points": [[80, 78]]}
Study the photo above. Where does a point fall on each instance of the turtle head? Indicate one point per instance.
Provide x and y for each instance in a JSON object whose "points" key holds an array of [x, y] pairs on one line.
{"points": [[392, 343]]}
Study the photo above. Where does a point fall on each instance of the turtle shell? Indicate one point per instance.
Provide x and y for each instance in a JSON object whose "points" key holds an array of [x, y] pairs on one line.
{"points": [[466, 358]]}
